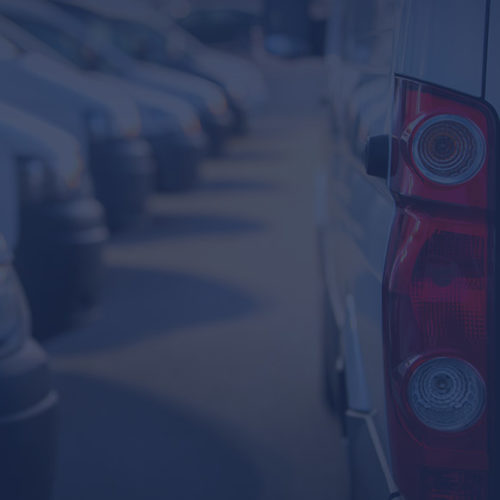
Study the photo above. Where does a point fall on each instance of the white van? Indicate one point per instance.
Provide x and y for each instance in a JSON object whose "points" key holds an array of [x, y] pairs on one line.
{"points": [[169, 124], [107, 123], [29, 403], [408, 245], [54, 227]]}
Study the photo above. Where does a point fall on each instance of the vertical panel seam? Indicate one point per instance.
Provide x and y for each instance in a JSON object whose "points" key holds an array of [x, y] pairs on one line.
{"points": [[486, 47]]}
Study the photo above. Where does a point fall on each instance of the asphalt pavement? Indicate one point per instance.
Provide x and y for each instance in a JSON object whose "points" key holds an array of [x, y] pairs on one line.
{"points": [[199, 377]]}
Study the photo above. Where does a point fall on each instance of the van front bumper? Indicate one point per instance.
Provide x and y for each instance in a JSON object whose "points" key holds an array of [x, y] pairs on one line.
{"points": [[239, 117], [59, 260], [28, 425], [123, 172], [178, 159], [218, 129]]}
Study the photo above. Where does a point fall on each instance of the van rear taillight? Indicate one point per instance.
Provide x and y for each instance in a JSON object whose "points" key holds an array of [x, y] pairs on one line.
{"points": [[438, 293]]}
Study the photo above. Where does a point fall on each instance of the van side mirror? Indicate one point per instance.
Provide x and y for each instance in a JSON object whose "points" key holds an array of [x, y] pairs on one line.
{"points": [[377, 156]]}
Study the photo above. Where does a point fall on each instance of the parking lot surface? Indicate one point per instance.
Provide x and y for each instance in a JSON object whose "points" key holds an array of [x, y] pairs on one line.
{"points": [[199, 377]]}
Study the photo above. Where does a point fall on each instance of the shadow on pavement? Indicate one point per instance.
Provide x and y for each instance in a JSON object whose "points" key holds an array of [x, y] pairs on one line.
{"points": [[120, 444], [237, 185], [175, 225], [169, 225], [257, 157], [140, 303]]}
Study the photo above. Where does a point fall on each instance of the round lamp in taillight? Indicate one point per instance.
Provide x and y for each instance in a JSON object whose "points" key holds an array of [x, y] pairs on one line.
{"points": [[448, 149], [447, 394]]}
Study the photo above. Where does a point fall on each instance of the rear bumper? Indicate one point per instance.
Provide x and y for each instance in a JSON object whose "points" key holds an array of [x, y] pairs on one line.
{"points": [[28, 425], [123, 173], [59, 260], [177, 159]]}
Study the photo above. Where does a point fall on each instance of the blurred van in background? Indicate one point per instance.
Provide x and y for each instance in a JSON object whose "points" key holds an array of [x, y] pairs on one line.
{"points": [[67, 35], [146, 34], [169, 124], [28, 402], [222, 27], [61, 225], [107, 124]]}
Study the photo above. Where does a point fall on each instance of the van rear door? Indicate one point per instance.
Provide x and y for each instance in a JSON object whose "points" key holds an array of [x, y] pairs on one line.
{"points": [[491, 89], [492, 70]]}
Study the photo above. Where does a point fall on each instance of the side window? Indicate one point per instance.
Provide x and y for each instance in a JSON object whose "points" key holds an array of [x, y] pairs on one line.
{"points": [[48, 35], [67, 46]]}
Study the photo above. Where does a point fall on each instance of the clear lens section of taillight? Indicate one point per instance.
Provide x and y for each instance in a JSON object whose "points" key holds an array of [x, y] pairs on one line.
{"points": [[447, 394], [448, 149]]}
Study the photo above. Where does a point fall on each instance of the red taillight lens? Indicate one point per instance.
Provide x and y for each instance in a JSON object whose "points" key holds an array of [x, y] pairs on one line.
{"points": [[454, 485], [438, 290], [441, 146]]}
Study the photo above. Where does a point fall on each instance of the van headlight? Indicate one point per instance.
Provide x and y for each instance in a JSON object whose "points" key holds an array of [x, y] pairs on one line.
{"points": [[218, 106], [14, 315], [98, 124], [39, 181], [155, 121], [101, 125], [191, 126]]}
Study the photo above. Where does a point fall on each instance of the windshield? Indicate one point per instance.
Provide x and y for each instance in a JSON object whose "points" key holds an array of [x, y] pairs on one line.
{"points": [[8, 49], [139, 40], [69, 47], [144, 42]]}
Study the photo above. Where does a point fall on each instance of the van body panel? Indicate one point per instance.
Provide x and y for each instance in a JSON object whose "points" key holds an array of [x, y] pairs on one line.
{"points": [[360, 207], [9, 203], [25, 135], [433, 49], [370, 41], [492, 83], [355, 249]]}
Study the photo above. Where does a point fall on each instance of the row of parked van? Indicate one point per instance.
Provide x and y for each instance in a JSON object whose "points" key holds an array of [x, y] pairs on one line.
{"points": [[101, 103]]}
